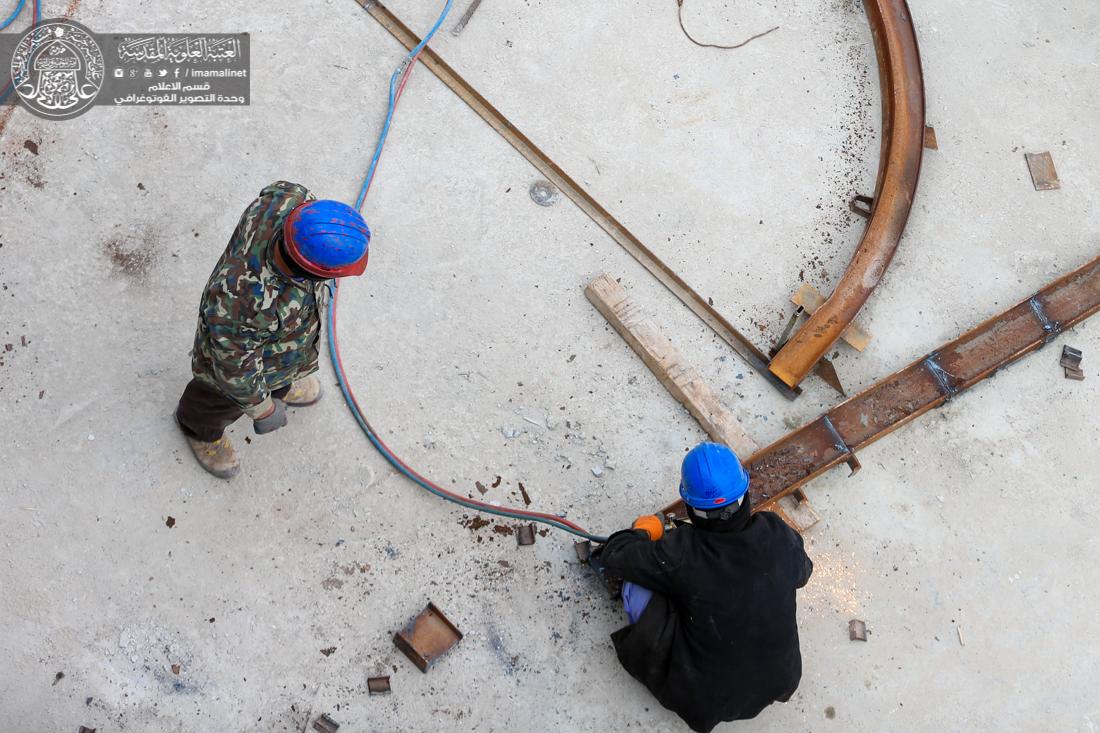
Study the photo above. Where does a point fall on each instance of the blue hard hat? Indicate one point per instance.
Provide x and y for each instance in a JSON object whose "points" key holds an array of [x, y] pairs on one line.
{"points": [[712, 477], [327, 239]]}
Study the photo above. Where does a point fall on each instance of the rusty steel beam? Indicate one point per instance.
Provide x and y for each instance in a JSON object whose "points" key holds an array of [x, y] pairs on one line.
{"points": [[902, 84], [927, 383]]}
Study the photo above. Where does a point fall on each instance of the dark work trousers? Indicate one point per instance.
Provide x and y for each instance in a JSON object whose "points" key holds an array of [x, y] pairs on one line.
{"points": [[204, 413]]}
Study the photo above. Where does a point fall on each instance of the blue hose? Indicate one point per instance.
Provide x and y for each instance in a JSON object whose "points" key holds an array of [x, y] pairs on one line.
{"points": [[14, 14], [338, 367], [393, 460], [393, 103]]}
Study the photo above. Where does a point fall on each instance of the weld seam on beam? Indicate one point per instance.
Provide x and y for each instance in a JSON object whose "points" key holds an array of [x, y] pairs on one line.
{"points": [[838, 442], [1052, 328], [942, 376]]}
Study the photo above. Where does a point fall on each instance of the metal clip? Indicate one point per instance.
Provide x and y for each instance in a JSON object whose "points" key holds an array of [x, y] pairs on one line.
{"points": [[786, 335], [866, 209], [944, 379], [325, 724], [1052, 328], [838, 442], [1071, 358]]}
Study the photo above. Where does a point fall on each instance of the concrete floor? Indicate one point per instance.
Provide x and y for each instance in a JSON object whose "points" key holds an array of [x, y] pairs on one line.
{"points": [[966, 542]]}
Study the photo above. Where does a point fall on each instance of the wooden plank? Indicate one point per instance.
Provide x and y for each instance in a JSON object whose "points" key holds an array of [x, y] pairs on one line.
{"points": [[685, 384], [679, 377], [809, 298]]}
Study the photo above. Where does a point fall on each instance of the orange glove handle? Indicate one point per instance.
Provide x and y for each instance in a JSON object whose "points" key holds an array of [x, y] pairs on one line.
{"points": [[651, 524]]}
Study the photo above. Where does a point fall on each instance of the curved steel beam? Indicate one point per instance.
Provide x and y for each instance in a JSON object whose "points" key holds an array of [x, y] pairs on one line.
{"points": [[902, 84]]}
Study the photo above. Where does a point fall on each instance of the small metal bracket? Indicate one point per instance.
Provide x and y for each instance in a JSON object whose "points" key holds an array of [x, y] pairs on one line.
{"points": [[838, 442], [1052, 328], [325, 724], [1071, 358], [944, 379], [427, 637], [1071, 363], [868, 205], [786, 335], [378, 685], [525, 534]]}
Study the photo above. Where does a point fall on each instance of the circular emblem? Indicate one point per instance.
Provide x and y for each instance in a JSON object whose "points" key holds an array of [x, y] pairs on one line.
{"points": [[57, 69]]}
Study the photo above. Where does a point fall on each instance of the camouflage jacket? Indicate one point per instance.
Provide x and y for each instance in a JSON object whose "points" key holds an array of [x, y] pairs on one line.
{"points": [[258, 329]]}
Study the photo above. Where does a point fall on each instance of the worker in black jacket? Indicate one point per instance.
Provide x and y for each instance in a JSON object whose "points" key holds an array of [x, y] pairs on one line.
{"points": [[713, 633]]}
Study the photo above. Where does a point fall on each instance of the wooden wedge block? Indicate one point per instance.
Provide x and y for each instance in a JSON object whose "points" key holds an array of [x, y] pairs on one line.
{"points": [[930, 141], [809, 298], [799, 515]]}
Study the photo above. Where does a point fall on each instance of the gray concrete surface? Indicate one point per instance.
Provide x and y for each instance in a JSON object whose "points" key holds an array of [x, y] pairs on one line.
{"points": [[966, 543]]}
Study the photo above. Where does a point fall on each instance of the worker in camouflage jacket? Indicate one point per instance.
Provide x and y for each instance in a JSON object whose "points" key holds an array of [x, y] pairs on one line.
{"points": [[711, 604], [256, 345]]}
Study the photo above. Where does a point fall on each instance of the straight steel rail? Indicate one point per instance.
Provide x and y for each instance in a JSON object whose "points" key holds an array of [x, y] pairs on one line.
{"points": [[601, 216], [832, 439], [902, 84]]}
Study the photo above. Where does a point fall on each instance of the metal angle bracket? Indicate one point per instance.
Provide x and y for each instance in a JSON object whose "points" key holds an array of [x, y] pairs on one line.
{"points": [[862, 205], [945, 381], [378, 685], [787, 330], [853, 463], [325, 724], [1052, 328], [1071, 358]]}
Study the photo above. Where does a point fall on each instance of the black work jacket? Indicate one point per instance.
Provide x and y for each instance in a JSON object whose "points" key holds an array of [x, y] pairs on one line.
{"points": [[719, 639]]}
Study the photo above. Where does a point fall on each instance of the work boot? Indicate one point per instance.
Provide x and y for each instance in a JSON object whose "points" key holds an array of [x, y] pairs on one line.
{"points": [[218, 458], [304, 392]]}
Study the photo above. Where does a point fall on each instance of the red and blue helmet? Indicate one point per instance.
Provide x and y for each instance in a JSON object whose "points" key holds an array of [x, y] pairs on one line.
{"points": [[327, 239], [712, 477]]}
